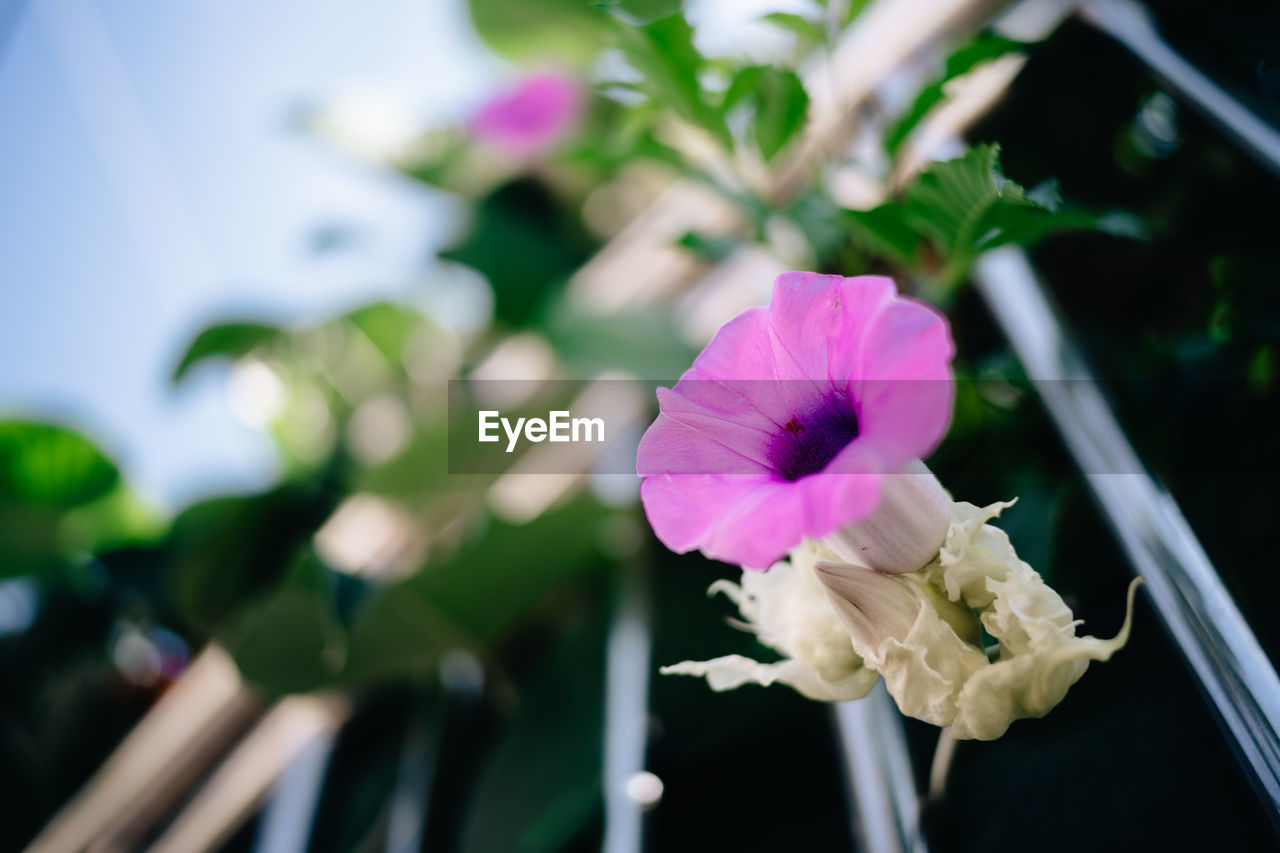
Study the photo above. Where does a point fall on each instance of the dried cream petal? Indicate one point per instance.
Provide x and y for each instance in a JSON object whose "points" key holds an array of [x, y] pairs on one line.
{"points": [[926, 671], [733, 671], [787, 609], [1030, 685]]}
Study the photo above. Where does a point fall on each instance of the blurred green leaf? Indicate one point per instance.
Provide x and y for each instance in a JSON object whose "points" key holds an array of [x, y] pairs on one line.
{"points": [[885, 231], [663, 51], [710, 248], [648, 10], [51, 467], [224, 340], [983, 48], [542, 784], [819, 219], [61, 499], [493, 580], [779, 102], [644, 343], [226, 552], [291, 641], [390, 327], [783, 108], [531, 31], [807, 30], [471, 598], [525, 243]]}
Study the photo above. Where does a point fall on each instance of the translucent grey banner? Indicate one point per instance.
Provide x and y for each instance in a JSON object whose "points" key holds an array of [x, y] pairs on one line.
{"points": [[795, 427]]}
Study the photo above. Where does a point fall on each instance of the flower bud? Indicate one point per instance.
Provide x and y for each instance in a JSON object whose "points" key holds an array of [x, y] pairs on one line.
{"points": [[907, 528], [871, 606]]}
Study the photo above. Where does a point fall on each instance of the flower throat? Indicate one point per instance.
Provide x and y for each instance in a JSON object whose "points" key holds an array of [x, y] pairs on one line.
{"points": [[809, 441]]}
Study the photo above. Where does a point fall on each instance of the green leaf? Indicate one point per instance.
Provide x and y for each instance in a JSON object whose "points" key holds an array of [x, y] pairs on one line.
{"points": [[648, 10], [950, 201], [663, 51], [543, 782], [710, 248], [779, 102], [289, 642], [883, 230], [388, 326], [742, 87], [226, 552], [783, 106], [487, 585], [985, 47], [644, 343], [51, 467], [224, 340], [525, 243], [966, 206], [532, 31], [812, 32], [470, 599]]}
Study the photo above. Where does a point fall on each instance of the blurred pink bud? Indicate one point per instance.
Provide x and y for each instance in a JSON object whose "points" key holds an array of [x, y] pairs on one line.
{"points": [[529, 117]]}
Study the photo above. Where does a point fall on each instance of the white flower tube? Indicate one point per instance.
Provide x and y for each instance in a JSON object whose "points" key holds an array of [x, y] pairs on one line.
{"points": [[907, 528]]}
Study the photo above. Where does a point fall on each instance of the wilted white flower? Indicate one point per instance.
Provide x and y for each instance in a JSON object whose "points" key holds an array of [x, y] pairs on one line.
{"points": [[1039, 655], [839, 625], [787, 609]]}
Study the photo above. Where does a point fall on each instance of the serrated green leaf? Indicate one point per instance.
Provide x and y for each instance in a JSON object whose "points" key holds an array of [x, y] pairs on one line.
{"points": [[224, 340], [966, 206], [949, 200]]}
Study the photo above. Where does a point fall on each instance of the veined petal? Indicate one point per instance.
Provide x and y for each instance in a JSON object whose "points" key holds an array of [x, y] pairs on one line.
{"points": [[905, 391], [721, 515], [823, 322]]}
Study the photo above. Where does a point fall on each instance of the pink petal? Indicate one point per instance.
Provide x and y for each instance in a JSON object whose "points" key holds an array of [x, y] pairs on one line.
{"points": [[707, 511], [906, 394], [696, 443], [820, 322]]}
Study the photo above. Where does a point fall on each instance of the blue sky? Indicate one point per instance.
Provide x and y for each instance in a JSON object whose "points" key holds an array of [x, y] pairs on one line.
{"points": [[151, 184]]}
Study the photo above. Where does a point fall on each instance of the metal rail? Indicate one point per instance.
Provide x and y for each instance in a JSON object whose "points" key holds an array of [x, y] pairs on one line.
{"points": [[1187, 592], [628, 788], [886, 813]]}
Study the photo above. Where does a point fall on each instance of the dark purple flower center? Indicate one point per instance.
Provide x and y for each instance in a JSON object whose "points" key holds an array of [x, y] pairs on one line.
{"points": [[809, 441]]}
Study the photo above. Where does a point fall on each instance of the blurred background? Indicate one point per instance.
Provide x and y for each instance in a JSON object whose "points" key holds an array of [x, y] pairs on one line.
{"points": [[247, 602]]}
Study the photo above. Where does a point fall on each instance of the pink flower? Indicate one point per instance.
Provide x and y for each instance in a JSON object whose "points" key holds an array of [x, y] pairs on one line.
{"points": [[788, 421], [530, 117]]}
